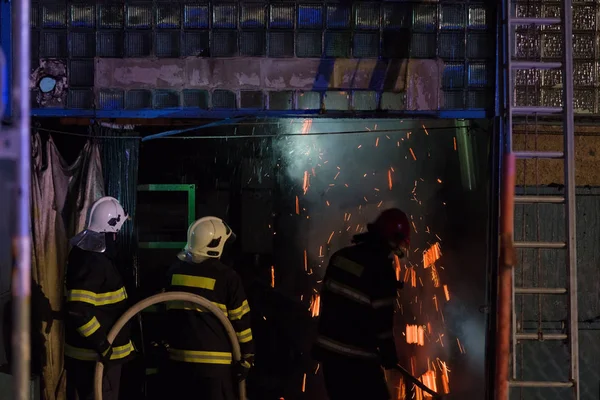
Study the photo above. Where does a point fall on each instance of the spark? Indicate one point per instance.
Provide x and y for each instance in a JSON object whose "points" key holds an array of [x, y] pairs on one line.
{"points": [[272, 276], [304, 384], [330, 237], [446, 292], [305, 261], [454, 143], [297, 206], [390, 184], [412, 153], [431, 255], [425, 129], [462, 350], [377, 142]]}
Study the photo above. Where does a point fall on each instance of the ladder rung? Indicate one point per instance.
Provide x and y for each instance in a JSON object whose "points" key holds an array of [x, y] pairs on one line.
{"points": [[524, 199], [526, 111], [535, 65], [541, 336], [535, 21], [534, 290], [540, 384], [539, 154], [540, 245]]}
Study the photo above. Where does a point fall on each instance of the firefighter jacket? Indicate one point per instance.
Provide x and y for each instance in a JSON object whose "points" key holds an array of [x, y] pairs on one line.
{"points": [[357, 306], [196, 336], [95, 299]]}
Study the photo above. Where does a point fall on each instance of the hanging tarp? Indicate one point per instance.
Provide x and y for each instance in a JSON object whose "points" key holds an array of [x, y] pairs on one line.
{"points": [[61, 194]]}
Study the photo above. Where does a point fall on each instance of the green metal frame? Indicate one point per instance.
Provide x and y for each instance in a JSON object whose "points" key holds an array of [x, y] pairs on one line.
{"points": [[191, 192]]}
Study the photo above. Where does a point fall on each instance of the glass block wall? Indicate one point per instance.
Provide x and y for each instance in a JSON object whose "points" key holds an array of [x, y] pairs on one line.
{"points": [[460, 33], [543, 88]]}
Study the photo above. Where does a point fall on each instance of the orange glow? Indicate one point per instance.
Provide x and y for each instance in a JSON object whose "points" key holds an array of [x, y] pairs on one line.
{"points": [[397, 267], [272, 276], [390, 185], [305, 261], [415, 334], [315, 305], [446, 292], [431, 255], [425, 129], [297, 206], [412, 153]]}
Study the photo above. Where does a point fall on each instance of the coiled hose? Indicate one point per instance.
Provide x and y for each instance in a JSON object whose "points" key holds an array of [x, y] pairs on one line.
{"points": [[161, 298]]}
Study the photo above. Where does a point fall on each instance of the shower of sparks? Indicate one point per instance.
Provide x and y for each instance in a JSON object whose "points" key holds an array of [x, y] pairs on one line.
{"points": [[431, 255]]}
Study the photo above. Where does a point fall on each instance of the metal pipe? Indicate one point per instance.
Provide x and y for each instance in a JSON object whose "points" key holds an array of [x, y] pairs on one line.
{"points": [[161, 298], [505, 279], [21, 286]]}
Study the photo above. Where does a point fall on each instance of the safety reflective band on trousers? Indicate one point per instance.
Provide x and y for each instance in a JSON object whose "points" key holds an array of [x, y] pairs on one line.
{"points": [[188, 305], [97, 299], [201, 357], [344, 349], [198, 282], [347, 291], [348, 265], [89, 328], [245, 336], [238, 313], [118, 353]]}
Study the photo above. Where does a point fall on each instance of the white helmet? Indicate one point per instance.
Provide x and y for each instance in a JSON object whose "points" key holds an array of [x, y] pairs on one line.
{"points": [[106, 215], [206, 238]]}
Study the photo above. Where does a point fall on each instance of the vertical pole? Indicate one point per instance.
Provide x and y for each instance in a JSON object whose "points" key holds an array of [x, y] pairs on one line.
{"points": [[570, 210], [21, 286]]}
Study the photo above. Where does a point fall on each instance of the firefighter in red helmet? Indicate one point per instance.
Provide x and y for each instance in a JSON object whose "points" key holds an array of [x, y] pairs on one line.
{"points": [[355, 337]]}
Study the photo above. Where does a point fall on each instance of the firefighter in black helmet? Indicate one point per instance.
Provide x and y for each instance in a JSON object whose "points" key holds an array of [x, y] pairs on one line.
{"points": [[200, 357], [357, 305]]}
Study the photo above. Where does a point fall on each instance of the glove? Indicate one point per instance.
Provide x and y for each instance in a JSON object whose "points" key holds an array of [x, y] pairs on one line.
{"points": [[105, 350], [241, 369]]}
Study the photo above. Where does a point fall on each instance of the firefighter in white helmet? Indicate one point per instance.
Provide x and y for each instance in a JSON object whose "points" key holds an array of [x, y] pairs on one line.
{"points": [[200, 355], [95, 299]]}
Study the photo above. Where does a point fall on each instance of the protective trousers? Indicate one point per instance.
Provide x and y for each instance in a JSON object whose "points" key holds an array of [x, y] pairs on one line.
{"points": [[80, 381], [354, 380], [182, 381]]}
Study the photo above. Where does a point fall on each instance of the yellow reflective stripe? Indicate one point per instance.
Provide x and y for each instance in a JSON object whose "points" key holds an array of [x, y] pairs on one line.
{"points": [[244, 336], [246, 356], [201, 357], [348, 265], [385, 302], [118, 353], [344, 349], [97, 299], [347, 291], [239, 312], [199, 282], [89, 328], [188, 305]]}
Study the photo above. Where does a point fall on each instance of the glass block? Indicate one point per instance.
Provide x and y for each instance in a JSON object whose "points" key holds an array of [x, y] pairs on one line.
{"points": [[396, 44], [528, 77], [528, 9], [109, 44], [253, 16], [452, 17], [479, 99], [82, 44], [393, 101], [34, 16], [81, 72], [83, 16], [527, 97], [453, 75], [80, 99], [138, 99], [552, 45], [138, 44], [166, 99], [310, 16], [110, 16], [336, 100], [195, 16], [551, 97], [253, 43], [224, 44], [281, 44], [451, 45], [252, 99], [282, 16], [551, 77], [309, 44], [54, 15], [366, 45], [196, 44], [167, 44], [281, 100], [584, 101], [478, 75], [54, 45], [584, 17], [584, 73], [224, 99], [425, 17], [583, 46], [364, 100], [478, 17], [110, 99], [139, 16], [366, 16], [195, 99], [396, 15], [337, 44], [225, 16], [168, 16], [552, 10], [480, 45], [423, 45], [338, 16], [527, 44], [309, 101], [453, 100]]}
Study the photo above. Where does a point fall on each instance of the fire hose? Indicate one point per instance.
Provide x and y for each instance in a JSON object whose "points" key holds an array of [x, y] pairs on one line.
{"points": [[417, 382], [161, 298]]}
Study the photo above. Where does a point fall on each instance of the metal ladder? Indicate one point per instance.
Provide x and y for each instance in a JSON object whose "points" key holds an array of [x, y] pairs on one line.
{"points": [[568, 200]]}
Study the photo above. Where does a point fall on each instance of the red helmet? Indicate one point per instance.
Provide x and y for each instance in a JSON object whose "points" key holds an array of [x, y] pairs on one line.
{"points": [[393, 226]]}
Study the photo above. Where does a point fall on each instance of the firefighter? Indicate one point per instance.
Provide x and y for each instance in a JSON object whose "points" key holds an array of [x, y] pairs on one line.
{"points": [[355, 336], [95, 299], [200, 353]]}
